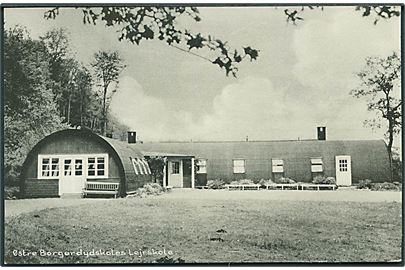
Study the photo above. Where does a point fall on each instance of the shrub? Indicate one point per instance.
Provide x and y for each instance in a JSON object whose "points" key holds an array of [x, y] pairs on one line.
{"points": [[149, 189], [330, 180], [365, 184], [285, 180], [11, 193], [264, 182], [215, 184], [242, 182], [153, 188], [323, 180], [385, 186], [234, 182], [319, 179]]}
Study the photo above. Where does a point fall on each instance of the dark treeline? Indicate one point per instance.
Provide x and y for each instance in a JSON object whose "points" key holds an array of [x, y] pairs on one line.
{"points": [[46, 89]]}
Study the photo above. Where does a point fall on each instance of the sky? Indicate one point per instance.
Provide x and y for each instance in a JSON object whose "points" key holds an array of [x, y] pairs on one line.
{"points": [[301, 80]]}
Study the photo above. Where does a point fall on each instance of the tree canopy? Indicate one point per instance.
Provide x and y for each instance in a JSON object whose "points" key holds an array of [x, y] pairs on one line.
{"points": [[107, 68], [380, 86], [46, 89], [162, 22]]}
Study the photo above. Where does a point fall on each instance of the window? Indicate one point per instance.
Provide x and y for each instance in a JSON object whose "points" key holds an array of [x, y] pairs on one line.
{"points": [[91, 166], [49, 167], [343, 165], [140, 166], [96, 166], [277, 165], [201, 166], [100, 166], [78, 167], [175, 167], [238, 166], [46, 167], [67, 167], [316, 165], [146, 166]]}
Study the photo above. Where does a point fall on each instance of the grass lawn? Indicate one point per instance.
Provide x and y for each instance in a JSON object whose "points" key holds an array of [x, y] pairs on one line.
{"points": [[257, 230]]}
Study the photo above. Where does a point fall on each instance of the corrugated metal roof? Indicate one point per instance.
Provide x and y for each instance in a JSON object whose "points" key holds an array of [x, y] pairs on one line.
{"points": [[125, 150], [163, 154], [369, 157]]}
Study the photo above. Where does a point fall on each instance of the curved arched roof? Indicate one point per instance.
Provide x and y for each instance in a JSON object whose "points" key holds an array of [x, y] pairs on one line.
{"points": [[122, 150]]}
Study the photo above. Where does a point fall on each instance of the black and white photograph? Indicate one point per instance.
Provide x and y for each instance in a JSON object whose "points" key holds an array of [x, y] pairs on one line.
{"points": [[202, 134]]}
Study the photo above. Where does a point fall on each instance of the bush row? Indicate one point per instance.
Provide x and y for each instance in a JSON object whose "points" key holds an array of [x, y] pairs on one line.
{"points": [[368, 184], [219, 183], [149, 189]]}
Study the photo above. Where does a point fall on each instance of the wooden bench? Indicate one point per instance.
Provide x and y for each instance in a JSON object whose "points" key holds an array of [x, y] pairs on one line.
{"points": [[317, 186], [201, 187], [101, 188], [283, 186], [244, 187]]}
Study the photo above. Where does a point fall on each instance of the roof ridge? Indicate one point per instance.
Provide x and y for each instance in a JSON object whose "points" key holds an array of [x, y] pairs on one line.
{"points": [[259, 141]]}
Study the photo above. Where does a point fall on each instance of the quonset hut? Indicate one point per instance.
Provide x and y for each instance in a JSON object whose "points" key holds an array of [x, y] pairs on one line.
{"points": [[301, 160], [62, 163]]}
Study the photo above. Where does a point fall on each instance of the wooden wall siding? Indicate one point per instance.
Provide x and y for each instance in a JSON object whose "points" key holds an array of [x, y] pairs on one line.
{"points": [[369, 158], [133, 183], [201, 179], [71, 145], [41, 188]]}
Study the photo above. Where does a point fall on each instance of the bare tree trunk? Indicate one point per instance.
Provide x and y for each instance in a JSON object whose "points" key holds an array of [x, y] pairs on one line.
{"points": [[68, 108], [390, 142], [104, 116], [390, 118], [81, 108]]}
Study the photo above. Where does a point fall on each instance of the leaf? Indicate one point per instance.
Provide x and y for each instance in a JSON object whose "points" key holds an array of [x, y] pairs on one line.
{"points": [[251, 52], [218, 62], [367, 11], [237, 57], [196, 42], [148, 33]]}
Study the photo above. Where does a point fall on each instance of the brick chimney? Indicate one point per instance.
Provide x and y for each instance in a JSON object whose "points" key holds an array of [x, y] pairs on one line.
{"points": [[131, 136], [321, 131]]}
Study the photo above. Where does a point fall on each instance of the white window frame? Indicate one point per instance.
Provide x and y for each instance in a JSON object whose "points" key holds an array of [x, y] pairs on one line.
{"points": [[140, 166], [239, 168], [316, 165], [62, 157], [135, 166], [343, 165], [40, 162], [201, 165], [173, 167], [96, 169], [277, 165], [146, 166]]}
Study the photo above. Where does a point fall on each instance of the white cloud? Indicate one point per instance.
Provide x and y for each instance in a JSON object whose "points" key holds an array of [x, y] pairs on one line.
{"points": [[250, 107], [147, 114], [331, 47]]}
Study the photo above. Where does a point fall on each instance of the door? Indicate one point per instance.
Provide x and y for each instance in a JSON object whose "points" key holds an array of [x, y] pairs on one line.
{"points": [[72, 178], [186, 173], [343, 171], [175, 173]]}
